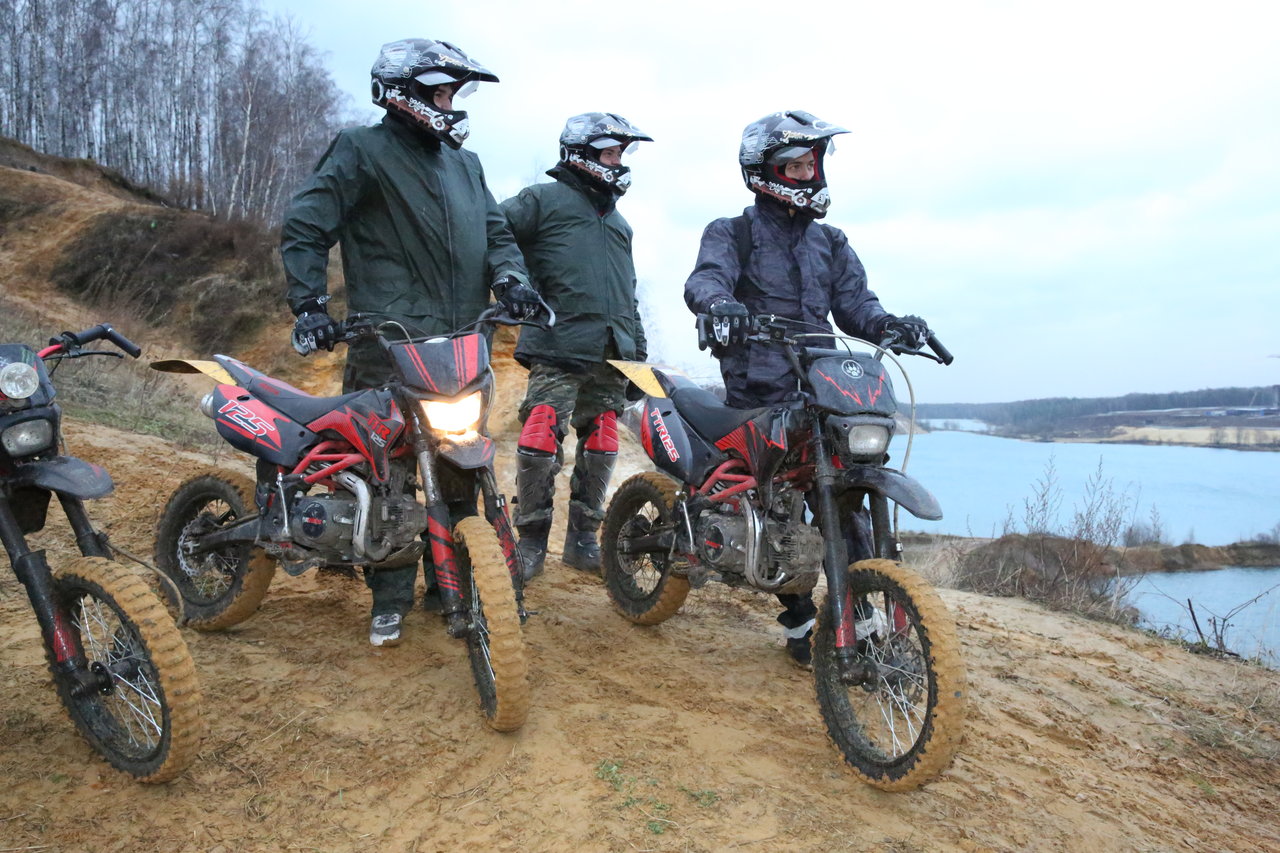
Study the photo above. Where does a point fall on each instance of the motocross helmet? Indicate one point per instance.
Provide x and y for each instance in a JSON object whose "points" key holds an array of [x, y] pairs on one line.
{"points": [[768, 144], [585, 136], [406, 75]]}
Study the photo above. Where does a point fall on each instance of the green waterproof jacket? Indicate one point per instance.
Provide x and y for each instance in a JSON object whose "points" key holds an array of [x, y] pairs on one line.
{"points": [[422, 237], [578, 250]]}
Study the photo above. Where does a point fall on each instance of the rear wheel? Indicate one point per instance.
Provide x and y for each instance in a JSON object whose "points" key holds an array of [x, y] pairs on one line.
{"points": [[225, 586], [896, 712], [495, 642], [641, 585], [143, 716]]}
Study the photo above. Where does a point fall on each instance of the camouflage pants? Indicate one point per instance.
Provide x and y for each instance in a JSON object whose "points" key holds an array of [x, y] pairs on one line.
{"points": [[578, 397]]}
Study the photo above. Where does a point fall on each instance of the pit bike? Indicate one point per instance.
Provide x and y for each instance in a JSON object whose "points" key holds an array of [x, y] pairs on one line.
{"points": [[337, 483], [119, 663], [774, 498]]}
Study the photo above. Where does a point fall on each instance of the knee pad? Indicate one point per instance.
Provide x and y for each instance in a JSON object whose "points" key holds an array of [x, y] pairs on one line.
{"points": [[539, 436], [602, 435]]}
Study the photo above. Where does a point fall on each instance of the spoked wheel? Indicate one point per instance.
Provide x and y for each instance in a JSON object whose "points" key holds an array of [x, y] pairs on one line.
{"points": [[141, 708], [640, 583], [495, 643], [896, 711], [222, 587]]}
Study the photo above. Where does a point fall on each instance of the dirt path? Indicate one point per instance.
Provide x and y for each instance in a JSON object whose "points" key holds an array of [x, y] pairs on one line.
{"points": [[696, 735]]}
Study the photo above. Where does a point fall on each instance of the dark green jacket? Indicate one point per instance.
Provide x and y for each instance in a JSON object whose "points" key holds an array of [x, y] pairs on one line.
{"points": [[422, 237], [578, 250]]}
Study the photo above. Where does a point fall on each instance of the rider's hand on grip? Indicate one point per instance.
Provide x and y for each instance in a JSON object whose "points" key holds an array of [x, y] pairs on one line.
{"points": [[518, 298], [314, 331], [730, 323], [911, 331]]}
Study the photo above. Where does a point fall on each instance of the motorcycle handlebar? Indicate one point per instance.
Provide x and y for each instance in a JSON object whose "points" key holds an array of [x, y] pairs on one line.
{"points": [[357, 326], [944, 355], [100, 332]]}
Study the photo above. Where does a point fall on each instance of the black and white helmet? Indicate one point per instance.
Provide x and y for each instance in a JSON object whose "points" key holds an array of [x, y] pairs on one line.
{"points": [[406, 74], [768, 144], [585, 136]]}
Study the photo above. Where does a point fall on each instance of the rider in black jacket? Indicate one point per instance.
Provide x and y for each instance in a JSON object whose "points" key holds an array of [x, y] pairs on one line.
{"points": [[794, 267]]}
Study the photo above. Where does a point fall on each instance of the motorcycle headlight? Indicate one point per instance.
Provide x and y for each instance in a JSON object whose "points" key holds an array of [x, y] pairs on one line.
{"points": [[27, 437], [868, 441], [455, 416], [18, 381]]}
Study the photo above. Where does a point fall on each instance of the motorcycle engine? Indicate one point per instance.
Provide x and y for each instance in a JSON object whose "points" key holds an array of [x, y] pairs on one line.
{"points": [[323, 522], [797, 550], [397, 519], [722, 541]]}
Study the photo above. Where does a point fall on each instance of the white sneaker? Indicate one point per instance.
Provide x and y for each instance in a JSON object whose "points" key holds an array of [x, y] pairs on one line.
{"points": [[384, 630]]}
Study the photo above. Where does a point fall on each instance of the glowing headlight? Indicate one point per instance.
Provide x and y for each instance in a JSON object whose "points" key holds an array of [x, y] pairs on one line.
{"points": [[459, 416], [868, 440], [18, 381], [27, 438]]}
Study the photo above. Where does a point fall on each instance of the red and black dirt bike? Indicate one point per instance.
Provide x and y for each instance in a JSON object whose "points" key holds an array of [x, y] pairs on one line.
{"points": [[337, 485], [119, 664], [772, 498]]}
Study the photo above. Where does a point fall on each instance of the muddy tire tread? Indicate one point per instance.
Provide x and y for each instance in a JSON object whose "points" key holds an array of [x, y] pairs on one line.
{"points": [[672, 590], [947, 718], [240, 603], [168, 653], [507, 657]]}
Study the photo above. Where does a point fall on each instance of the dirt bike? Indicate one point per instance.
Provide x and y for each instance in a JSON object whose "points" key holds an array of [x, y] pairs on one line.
{"points": [[336, 486], [119, 663], [770, 499]]}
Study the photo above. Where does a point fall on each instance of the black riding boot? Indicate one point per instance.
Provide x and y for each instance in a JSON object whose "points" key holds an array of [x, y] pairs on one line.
{"points": [[535, 488], [591, 471]]}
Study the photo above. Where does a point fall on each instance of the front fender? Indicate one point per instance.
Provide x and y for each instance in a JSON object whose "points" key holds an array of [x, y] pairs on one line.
{"points": [[896, 486], [65, 475], [468, 451]]}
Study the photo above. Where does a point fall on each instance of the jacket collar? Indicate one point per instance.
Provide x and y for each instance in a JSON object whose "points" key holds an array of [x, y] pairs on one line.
{"points": [[410, 135], [603, 202]]}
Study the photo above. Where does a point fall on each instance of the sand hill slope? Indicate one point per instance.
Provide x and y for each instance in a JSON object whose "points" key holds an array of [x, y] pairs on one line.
{"points": [[695, 735]]}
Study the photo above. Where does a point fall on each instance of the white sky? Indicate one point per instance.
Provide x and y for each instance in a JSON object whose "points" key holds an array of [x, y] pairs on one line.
{"points": [[1083, 199]]}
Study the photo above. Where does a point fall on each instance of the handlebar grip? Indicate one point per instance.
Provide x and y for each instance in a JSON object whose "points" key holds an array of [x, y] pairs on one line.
{"points": [[701, 323], [939, 350], [121, 341]]}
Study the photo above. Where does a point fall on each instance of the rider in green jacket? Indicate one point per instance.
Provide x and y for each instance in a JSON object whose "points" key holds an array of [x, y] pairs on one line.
{"points": [[423, 242], [578, 248]]}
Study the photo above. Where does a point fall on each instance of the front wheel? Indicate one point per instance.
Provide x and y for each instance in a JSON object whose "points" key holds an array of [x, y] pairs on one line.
{"points": [[641, 585], [143, 714], [495, 642], [896, 709], [222, 587]]}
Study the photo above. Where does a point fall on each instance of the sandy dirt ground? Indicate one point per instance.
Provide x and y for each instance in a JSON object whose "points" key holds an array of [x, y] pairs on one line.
{"points": [[694, 735]]}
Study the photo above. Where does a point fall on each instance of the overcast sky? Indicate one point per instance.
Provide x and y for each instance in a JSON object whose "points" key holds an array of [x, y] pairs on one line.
{"points": [[1083, 199]]}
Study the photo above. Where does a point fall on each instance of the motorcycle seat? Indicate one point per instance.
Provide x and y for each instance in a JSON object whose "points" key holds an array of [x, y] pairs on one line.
{"points": [[708, 414], [298, 405]]}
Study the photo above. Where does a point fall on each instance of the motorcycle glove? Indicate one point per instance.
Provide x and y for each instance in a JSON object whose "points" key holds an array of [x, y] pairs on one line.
{"points": [[911, 331], [519, 299], [730, 323], [314, 329]]}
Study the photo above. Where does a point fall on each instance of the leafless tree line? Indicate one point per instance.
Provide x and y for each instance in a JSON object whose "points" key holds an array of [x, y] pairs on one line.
{"points": [[208, 102]]}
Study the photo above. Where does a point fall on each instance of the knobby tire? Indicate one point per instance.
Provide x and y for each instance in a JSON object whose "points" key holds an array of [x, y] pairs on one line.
{"points": [[249, 568], [150, 726], [941, 726], [496, 644], [647, 491]]}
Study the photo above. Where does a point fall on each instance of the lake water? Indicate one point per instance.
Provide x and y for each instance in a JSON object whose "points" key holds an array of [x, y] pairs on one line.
{"points": [[1205, 495], [1253, 632]]}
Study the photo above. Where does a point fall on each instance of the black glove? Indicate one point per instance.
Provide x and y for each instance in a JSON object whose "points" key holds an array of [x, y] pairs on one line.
{"points": [[912, 331], [730, 323], [519, 299], [314, 329]]}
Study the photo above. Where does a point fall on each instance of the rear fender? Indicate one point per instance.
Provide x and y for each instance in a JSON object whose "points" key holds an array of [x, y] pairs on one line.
{"points": [[895, 486]]}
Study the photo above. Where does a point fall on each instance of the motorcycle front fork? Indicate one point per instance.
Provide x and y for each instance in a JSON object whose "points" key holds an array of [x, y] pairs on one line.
{"points": [[33, 572], [854, 668]]}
